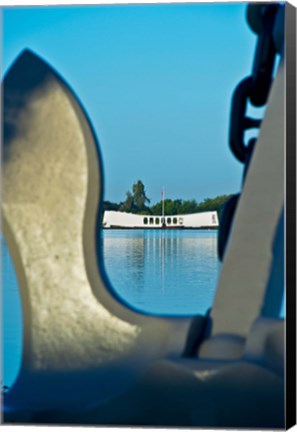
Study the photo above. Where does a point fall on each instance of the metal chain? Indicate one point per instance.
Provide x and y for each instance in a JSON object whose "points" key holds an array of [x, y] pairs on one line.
{"points": [[267, 21], [255, 88]]}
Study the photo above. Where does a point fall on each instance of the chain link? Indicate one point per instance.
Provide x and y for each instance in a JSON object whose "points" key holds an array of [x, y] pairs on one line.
{"points": [[255, 88], [267, 21]]}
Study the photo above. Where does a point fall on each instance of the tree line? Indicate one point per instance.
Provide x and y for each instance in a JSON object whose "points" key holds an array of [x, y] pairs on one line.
{"points": [[137, 202]]}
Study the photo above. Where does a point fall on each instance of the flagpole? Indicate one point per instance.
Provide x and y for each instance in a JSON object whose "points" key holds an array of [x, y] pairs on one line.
{"points": [[163, 209]]}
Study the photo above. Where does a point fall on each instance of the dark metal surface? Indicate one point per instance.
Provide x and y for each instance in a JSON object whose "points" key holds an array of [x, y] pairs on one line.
{"points": [[240, 122]]}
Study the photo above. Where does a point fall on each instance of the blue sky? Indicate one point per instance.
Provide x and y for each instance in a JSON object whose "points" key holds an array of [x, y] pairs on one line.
{"points": [[156, 81]]}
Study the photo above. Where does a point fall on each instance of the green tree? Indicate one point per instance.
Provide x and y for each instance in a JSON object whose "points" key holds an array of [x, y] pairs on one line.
{"points": [[174, 207], [139, 196], [156, 209], [188, 206], [108, 205], [169, 207], [179, 206], [128, 204], [135, 202], [214, 204]]}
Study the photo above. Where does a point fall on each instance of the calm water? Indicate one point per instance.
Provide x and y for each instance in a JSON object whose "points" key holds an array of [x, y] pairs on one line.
{"points": [[163, 272]]}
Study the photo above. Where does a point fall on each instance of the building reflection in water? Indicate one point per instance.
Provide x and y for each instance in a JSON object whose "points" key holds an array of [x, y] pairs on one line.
{"points": [[163, 271]]}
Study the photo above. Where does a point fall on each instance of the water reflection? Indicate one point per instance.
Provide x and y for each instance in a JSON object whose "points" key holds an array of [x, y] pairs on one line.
{"points": [[163, 271]]}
